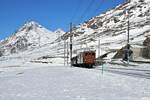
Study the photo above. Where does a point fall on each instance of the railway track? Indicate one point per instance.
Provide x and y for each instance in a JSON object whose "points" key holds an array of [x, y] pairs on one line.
{"points": [[128, 72], [140, 62]]}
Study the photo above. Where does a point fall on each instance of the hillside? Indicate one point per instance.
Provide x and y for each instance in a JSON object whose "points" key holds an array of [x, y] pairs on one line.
{"points": [[111, 28], [107, 31], [29, 36]]}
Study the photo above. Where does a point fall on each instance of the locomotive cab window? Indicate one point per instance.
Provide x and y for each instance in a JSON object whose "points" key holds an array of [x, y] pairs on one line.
{"points": [[86, 54]]}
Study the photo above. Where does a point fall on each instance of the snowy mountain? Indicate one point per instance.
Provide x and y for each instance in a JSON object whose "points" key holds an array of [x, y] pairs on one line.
{"points": [[105, 33], [29, 36], [111, 29]]}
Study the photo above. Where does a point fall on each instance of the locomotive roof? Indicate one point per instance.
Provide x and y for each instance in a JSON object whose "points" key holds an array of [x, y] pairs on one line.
{"points": [[87, 51]]}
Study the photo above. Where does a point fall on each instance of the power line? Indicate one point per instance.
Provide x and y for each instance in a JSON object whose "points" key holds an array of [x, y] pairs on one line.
{"points": [[86, 10], [78, 7], [89, 7], [98, 7]]}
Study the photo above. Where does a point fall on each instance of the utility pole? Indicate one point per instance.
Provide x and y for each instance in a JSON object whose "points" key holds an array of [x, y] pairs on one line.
{"points": [[64, 52], [128, 23], [39, 40], [128, 43], [67, 53], [71, 35], [86, 43], [98, 47], [128, 32]]}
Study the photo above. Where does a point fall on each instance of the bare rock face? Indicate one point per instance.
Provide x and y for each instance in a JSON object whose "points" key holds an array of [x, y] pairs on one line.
{"points": [[146, 51], [147, 42], [119, 53]]}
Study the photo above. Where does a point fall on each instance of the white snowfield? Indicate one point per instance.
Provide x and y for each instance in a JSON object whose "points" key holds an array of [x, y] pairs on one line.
{"points": [[58, 82]]}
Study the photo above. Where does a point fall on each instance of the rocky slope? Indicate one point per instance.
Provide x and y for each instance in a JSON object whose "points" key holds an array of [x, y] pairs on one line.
{"points": [[111, 28]]}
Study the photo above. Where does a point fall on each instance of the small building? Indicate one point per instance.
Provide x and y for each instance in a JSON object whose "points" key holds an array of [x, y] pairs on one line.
{"points": [[142, 51]]}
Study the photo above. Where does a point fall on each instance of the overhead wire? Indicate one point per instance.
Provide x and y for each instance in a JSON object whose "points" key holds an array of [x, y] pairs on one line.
{"points": [[101, 2], [86, 10], [78, 7], [84, 14]]}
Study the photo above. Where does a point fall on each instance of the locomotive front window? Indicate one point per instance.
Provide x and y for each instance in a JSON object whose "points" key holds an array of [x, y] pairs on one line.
{"points": [[86, 54]]}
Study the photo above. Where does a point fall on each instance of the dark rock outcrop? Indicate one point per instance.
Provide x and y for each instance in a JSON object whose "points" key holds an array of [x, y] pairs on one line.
{"points": [[146, 50]]}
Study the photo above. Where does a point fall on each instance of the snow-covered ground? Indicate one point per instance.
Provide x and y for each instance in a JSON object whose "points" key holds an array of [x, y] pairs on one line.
{"points": [[57, 82], [21, 79]]}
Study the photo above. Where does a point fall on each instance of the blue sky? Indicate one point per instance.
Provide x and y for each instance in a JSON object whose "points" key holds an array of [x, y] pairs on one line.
{"points": [[52, 14]]}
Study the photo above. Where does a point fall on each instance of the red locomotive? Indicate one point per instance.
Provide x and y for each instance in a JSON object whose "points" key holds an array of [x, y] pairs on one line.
{"points": [[84, 59]]}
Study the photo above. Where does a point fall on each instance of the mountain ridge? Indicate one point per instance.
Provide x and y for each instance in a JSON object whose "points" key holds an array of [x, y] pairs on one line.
{"points": [[30, 35], [106, 33], [111, 28]]}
